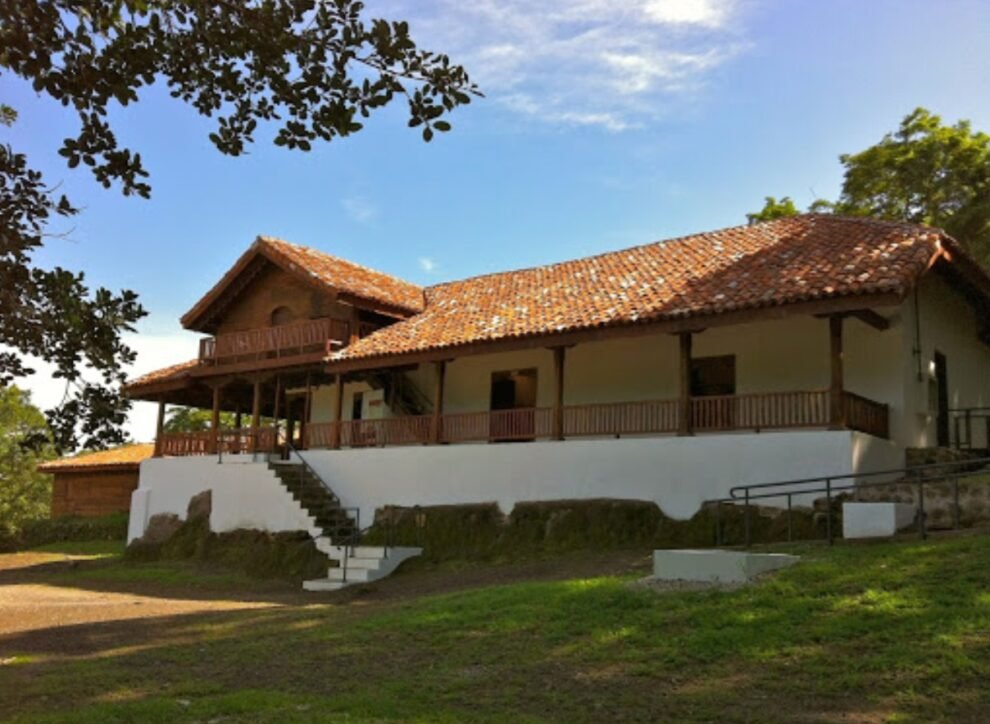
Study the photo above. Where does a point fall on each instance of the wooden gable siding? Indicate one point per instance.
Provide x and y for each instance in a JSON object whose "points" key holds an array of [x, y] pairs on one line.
{"points": [[274, 288], [93, 493]]}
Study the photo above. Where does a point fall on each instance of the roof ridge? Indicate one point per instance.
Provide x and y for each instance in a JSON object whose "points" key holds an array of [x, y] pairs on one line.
{"points": [[274, 240], [905, 225]]}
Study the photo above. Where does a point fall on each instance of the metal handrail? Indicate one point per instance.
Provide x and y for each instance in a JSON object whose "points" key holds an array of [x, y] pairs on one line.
{"points": [[788, 489]]}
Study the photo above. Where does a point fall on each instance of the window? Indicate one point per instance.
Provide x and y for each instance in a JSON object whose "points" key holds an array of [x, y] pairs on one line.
{"points": [[281, 315], [357, 405], [713, 376]]}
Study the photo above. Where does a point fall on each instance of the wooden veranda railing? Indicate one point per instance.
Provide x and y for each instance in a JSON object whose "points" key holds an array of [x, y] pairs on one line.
{"points": [[313, 335], [866, 415], [227, 441], [766, 411]]}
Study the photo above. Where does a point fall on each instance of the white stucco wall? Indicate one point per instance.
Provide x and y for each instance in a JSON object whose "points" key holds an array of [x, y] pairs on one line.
{"points": [[772, 356], [676, 473], [948, 324], [246, 494]]}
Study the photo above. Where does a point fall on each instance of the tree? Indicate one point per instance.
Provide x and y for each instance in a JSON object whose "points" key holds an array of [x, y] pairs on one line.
{"points": [[773, 209], [25, 441], [311, 68], [923, 173], [191, 419]]}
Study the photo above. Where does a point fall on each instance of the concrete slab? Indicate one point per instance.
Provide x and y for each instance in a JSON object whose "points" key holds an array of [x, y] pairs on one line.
{"points": [[716, 566], [875, 520]]}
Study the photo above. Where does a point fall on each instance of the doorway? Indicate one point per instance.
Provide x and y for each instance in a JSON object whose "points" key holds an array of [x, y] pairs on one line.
{"points": [[714, 377], [942, 400], [513, 391]]}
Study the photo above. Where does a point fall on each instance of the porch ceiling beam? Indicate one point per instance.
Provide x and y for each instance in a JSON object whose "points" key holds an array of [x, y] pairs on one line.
{"points": [[821, 307], [282, 364], [866, 316]]}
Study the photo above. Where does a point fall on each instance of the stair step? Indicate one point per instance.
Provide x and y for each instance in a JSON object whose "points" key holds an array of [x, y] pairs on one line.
{"points": [[323, 584], [372, 564], [363, 575]]}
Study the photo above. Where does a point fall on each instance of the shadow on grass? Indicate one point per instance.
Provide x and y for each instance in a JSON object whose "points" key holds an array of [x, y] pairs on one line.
{"points": [[871, 631]]}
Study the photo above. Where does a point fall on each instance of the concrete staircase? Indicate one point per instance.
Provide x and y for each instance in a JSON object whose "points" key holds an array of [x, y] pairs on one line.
{"points": [[340, 531], [358, 564]]}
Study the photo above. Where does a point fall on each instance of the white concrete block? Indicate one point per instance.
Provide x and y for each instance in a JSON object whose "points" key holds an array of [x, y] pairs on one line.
{"points": [[716, 566], [875, 520]]}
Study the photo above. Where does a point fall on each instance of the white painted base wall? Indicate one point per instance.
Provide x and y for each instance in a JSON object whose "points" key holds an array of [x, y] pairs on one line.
{"points": [[246, 494], [677, 473]]}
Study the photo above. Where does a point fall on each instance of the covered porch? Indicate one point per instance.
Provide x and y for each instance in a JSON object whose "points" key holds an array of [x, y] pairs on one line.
{"points": [[318, 408]]}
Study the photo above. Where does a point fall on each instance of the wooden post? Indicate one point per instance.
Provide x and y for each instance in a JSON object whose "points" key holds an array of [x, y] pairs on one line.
{"points": [[215, 420], [837, 407], [307, 410], [685, 426], [437, 426], [354, 327], [160, 427], [255, 415], [275, 411], [338, 411], [237, 417], [558, 400]]}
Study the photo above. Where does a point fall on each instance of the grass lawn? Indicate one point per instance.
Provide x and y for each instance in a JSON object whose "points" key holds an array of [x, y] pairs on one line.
{"points": [[882, 632]]}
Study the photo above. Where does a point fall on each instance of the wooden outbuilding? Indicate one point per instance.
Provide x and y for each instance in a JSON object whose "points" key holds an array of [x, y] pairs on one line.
{"points": [[96, 483]]}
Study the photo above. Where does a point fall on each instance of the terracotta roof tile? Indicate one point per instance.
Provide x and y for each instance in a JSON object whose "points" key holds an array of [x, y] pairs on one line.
{"points": [[123, 456], [165, 374], [349, 277], [780, 262]]}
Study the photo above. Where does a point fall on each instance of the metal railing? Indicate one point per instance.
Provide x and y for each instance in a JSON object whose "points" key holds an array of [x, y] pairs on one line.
{"points": [[966, 421], [831, 485]]}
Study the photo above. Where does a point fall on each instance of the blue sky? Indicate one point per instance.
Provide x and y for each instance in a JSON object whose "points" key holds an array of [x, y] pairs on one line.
{"points": [[601, 128]]}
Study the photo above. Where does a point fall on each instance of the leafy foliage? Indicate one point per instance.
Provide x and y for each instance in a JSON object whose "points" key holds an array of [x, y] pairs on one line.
{"points": [[312, 68], [190, 419], [25, 441], [923, 173], [773, 209]]}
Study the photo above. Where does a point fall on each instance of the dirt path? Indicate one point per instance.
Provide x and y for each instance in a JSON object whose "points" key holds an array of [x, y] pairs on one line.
{"points": [[46, 592], [29, 603]]}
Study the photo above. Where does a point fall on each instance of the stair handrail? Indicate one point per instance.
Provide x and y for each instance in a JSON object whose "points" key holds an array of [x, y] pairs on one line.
{"points": [[355, 537], [805, 486]]}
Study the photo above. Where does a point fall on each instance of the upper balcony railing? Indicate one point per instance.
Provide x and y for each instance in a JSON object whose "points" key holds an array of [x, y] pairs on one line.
{"points": [[315, 335]]}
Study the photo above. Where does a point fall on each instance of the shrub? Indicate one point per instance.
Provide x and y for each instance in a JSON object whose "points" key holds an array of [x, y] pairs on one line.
{"points": [[43, 531]]}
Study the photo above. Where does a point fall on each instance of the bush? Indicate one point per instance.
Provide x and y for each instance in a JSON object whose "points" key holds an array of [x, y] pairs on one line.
{"points": [[483, 532], [257, 553], [43, 531]]}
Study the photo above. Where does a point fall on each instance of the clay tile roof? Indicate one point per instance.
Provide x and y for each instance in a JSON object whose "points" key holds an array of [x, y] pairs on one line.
{"points": [[348, 277], [126, 456], [802, 258], [165, 374]]}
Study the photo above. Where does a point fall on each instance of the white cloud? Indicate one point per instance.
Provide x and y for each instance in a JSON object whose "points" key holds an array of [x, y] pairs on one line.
{"points": [[580, 62], [710, 13], [359, 209], [427, 264]]}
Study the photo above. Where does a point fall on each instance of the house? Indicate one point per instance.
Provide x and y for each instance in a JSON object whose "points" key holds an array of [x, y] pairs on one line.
{"points": [[670, 371], [97, 483]]}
